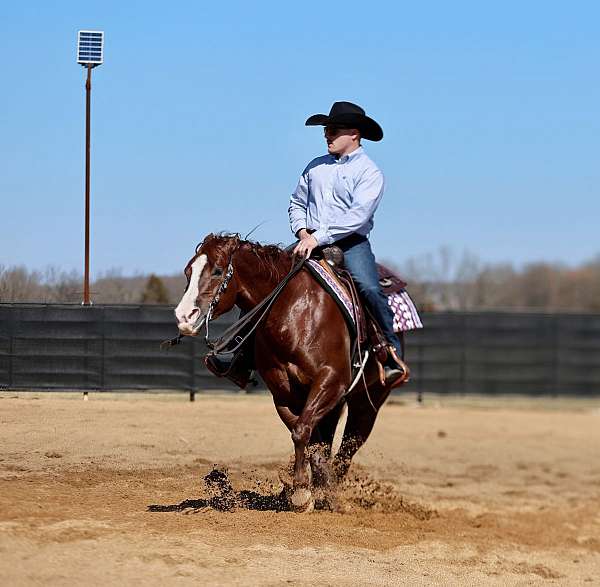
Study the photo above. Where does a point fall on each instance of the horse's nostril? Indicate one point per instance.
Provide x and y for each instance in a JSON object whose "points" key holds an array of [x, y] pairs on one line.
{"points": [[193, 313]]}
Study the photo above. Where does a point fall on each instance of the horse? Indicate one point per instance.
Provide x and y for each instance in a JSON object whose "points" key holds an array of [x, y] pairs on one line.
{"points": [[302, 352]]}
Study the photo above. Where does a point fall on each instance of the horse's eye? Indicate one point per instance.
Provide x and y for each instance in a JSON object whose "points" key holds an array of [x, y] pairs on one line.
{"points": [[217, 271]]}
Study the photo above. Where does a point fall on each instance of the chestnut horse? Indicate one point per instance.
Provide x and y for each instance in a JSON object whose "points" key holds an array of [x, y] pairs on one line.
{"points": [[302, 349]]}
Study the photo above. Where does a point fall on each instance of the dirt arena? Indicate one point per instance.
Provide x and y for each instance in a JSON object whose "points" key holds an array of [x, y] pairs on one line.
{"points": [[112, 490]]}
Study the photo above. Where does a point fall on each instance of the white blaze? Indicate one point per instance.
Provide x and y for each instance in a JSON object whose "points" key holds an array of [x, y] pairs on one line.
{"points": [[188, 302]]}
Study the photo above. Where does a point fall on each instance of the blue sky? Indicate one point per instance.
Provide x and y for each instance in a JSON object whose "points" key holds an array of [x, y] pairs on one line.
{"points": [[490, 113]]}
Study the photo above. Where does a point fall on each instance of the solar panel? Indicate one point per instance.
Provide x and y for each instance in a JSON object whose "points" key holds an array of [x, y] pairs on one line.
{"points": [[90, 47]]}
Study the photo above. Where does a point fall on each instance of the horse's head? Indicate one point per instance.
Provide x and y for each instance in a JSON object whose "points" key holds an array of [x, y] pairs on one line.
{"points": [[211, 285]]}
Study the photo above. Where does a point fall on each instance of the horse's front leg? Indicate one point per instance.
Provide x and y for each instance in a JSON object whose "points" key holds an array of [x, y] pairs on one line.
{"points": [[319, 450], [325, 393]]}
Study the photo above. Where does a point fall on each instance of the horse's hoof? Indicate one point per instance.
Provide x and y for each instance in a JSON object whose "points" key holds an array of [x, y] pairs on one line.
{"points": [[302, 500]]}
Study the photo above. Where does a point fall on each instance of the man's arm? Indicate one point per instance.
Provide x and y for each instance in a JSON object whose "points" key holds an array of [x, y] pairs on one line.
{"points": [[365, 199], [297, 213], [298, 205]]}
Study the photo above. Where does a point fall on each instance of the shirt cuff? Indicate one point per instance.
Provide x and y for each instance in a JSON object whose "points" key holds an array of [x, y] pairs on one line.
{"points": [[322, 237], [298, 225]]}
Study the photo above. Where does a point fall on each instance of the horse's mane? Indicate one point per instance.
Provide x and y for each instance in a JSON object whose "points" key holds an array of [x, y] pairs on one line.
{"points": [[272, 257]]}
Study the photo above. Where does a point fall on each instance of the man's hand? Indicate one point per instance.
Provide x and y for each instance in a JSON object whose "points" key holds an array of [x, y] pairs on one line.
{"points": [[306, 245]]}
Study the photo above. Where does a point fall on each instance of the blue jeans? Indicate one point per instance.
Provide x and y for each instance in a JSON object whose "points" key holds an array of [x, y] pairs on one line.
{"points": [[360, 263]]}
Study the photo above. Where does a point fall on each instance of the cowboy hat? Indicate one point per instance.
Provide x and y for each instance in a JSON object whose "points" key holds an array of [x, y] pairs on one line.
{"points": [[350, 115]]}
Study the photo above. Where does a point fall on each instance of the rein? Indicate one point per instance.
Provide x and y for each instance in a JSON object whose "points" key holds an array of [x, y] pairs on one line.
{"points": [[233, 332]]}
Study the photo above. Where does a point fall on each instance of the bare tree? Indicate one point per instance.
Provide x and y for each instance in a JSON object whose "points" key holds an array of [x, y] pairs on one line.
{"points": [[17, 284]]}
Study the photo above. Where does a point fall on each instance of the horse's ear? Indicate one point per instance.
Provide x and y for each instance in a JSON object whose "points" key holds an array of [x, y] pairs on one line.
{"points": [[238, 241], [208, 237]]}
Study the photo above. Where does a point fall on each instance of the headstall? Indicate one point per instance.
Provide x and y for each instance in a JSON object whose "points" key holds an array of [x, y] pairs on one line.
{"points": [[215, 301], [211, 307], [217, 296]]}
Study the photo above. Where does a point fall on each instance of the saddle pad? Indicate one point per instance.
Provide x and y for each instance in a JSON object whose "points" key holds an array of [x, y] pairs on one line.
{"points": [[331, 285], [405, 313], [406, 316]]}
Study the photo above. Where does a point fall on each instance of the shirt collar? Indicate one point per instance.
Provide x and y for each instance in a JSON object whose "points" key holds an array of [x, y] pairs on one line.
{"points": [[356, 153]]}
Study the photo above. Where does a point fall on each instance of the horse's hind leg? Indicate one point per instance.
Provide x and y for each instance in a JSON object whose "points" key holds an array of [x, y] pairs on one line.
{"points": [[323, 397], [359, 424]]}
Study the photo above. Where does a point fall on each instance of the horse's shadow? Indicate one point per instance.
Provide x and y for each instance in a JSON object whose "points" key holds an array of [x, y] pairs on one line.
{"points": [[249, 500], [224, 498]]}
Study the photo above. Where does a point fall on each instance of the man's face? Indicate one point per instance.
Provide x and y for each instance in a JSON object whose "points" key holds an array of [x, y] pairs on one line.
{"points": [[341, 140]]}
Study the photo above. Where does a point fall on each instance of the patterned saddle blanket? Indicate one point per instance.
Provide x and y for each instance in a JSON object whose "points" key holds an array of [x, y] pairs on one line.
{"points": [[405, 313]]}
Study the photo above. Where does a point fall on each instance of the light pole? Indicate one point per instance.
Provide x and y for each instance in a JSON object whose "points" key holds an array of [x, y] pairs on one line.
{"points": [[90, 54]]}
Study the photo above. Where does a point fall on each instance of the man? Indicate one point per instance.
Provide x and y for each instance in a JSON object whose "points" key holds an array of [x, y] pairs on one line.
{"points": [[335, 201]]}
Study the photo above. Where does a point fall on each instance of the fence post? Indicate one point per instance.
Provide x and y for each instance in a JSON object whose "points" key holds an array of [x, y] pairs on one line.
{"points": [[464, 341], [555, 385], [11, 348], [193, 371], [420, 377], [103, 347]]}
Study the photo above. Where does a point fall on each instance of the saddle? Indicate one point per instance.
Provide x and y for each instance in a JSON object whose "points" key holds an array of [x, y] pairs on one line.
{"points": [[362, 324]]}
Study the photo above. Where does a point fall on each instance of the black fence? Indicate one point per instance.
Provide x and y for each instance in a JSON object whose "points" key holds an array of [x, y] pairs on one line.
{"points": [[66, 347]]}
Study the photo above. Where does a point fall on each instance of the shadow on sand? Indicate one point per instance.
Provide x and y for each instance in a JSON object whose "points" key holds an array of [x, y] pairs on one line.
{"points": [[224, 498]]}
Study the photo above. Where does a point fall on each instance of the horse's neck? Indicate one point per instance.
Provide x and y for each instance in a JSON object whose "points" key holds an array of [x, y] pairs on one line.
{"points": [[257, 278]]}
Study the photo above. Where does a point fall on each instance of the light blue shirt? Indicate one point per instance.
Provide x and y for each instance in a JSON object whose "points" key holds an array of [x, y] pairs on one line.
{"points": [[337, 197]]}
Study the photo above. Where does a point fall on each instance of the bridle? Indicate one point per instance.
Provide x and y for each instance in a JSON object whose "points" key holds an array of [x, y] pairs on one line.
{"points": [[215, 301], [217, 295]]}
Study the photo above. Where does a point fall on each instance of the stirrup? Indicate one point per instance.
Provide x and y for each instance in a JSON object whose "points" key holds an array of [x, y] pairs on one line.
{"points": [[405, 378], [236, 371]]}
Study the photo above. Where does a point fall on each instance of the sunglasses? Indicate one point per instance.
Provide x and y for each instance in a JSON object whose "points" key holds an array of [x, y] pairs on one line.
{"points": [[334, 129]]}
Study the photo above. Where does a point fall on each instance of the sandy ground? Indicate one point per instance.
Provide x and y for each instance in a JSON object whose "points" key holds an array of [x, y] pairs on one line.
{"points": [[452, 493]]}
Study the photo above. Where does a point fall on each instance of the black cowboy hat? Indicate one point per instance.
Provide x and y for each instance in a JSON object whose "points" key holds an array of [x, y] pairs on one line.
{"points": [[350, 115]]}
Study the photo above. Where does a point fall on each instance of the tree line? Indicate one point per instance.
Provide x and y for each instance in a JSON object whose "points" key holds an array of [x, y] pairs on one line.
{"points": [[441, 281], [18, 284], [447, 281]]}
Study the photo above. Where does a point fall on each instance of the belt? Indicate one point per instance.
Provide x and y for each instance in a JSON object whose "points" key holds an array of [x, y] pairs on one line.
{"points": [[350, 241]]}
